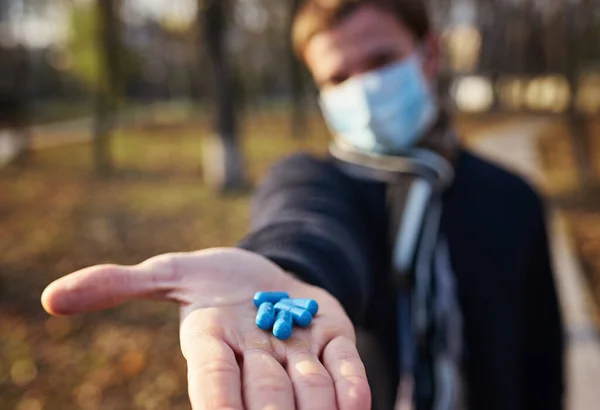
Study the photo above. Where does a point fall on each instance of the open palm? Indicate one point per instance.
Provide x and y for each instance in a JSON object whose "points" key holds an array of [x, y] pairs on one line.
{"points": [[231, 363]]}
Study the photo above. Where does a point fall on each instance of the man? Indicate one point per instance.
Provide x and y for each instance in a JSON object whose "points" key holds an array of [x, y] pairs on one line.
{"points": [[321, 232]]}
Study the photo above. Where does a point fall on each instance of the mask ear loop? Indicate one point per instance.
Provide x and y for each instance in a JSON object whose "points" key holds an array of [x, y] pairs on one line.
{"points": [[422, 55]]}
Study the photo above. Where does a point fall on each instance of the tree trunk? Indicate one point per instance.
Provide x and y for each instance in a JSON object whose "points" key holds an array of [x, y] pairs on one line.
{"points": [[109, 84], [298, 111], [103, 125], [22, 93], [579, 131], [223, 158]]}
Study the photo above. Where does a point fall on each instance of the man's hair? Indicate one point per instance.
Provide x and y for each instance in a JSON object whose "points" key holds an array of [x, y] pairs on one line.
{"points": [[315, 16]]}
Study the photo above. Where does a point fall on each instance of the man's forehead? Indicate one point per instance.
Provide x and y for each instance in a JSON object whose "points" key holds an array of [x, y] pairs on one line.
{"points": [[364, 32]]}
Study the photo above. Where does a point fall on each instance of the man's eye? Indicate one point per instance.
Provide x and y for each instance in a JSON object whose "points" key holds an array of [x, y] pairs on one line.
{"points": [[337, 79], [380, 61]]}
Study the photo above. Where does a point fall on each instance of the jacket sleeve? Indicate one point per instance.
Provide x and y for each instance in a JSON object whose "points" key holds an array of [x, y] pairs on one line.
{"points": [[543, 349], [308, 219]]}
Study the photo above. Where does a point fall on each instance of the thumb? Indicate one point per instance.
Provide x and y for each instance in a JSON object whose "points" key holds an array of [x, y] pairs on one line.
{"points": [[104, 286]]}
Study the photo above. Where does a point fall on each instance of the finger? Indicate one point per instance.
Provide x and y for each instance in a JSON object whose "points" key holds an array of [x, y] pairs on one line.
{"points": [[313, 386], [343, 363], [104, 286], [266, 383], [214, 380]]}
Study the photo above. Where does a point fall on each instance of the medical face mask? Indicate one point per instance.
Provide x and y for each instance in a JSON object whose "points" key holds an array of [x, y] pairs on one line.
{"points": [[384, 111]]}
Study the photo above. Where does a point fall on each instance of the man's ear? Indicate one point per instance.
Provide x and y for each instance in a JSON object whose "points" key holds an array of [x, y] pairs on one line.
{"points": [[432, 56]]}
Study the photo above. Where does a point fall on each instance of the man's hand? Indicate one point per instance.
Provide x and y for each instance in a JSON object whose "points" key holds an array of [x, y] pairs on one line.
{"points": [[231, 363]]}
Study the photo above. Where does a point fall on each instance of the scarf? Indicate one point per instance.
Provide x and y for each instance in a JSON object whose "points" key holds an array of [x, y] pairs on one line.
{"points": [[429, 319]]}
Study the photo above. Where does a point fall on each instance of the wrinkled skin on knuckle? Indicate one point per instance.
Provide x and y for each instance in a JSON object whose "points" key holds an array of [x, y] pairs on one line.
{"points": [[307, 373], [207, 322], [257, 340], [296, 345], [165, 266], [190, 343], [357, 391], [215, 368], [203, 325], [268, 383], [348, 372], [314, 381], [341, 357]]}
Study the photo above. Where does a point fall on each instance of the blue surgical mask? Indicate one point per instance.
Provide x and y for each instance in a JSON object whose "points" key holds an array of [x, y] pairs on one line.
{"points": [[383, 111]]}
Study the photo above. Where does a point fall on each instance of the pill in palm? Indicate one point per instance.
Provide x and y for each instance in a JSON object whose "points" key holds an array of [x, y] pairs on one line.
{"points": [[300, 316], [282, 329], [271, 297], [265, 317], [309, 304]]}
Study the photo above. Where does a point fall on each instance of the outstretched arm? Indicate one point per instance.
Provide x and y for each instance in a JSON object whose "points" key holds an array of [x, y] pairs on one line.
{"points": [[309, 218], [231, 363]]}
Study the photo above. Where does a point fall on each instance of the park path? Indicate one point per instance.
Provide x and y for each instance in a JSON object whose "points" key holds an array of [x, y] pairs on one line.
{"points": [[514, 146], [44, 136], [64, 132]]}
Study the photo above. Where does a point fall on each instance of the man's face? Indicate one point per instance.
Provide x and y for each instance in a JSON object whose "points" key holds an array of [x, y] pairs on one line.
{"points": [[367, 39]]}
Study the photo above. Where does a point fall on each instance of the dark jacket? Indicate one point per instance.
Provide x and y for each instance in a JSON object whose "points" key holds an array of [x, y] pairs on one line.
{"points": [[331, 231]]}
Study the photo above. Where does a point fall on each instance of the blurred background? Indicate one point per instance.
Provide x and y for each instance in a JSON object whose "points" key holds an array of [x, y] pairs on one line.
{"points": [[130, 128]]}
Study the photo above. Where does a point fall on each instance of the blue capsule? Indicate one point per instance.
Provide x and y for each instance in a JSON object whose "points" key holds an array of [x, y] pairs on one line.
{"points": [[265, 317], [309, 304], [301, 317], [283, 325], [271, 297]]}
